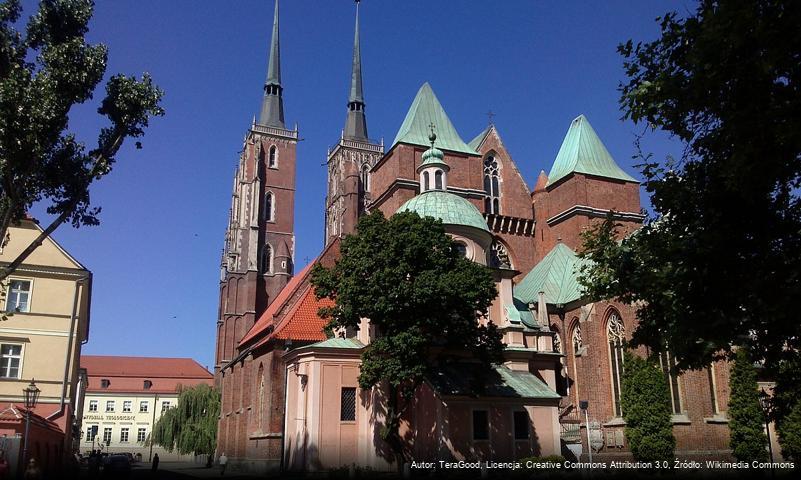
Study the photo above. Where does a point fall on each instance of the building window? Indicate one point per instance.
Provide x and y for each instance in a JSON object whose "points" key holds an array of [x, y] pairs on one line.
{"points": [[105, 383], [461, 248], [426, 185], [127, 405], [365, 178], [499, 256], [272, 159], [480, 425], [143, 406], [267, 259], [92, 405], [269, 207], [141, 434], [91, 432], [165, 405], [10, 360], [491, 186], [616, 334], [107, 435], [347, 411], [667, 362], [713, 390], [109, 405], [148, 385], [19, 296], [124, 435], [438, 180], [521, 422]]}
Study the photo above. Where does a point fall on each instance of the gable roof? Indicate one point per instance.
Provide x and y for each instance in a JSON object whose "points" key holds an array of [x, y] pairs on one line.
{"points": [[476, 142], [266, 320], [556, 275], [583, 152], [424, 111], [302, 322]]}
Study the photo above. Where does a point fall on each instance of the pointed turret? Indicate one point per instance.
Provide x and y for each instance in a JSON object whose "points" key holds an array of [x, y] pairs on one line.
{"points": [[356, 122], [272, 105], [583, 152], [542, 182]]}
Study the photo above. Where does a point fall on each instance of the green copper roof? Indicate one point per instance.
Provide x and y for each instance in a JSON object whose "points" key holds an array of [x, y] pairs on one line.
{"points": [[338, 342], [525, 314], [556, 275], [465, 379], [433, 156], [474, 143], [416, 127], [583, 152], [448, 207]]}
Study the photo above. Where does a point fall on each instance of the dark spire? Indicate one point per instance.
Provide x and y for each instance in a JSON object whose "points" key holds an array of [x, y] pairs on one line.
{"points": [[356, 123], [272, 105]]}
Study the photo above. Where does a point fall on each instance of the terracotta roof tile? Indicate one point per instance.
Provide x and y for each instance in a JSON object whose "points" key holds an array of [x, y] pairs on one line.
{"points": [[303, 323], [148, 367]]}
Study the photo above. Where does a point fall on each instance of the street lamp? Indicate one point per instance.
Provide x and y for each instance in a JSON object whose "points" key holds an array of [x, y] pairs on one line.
{"points": [[764, 402], [584, 405], [31, 395]]}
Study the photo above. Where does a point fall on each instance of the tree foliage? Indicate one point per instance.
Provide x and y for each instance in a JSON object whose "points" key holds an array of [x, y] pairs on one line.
{"points": [[746, 418], [191, 426], [718, 263], [790, 433], [422, 296], [645, 401], [44, 72]]}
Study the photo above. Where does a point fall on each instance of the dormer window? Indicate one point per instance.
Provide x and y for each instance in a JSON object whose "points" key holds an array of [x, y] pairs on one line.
{"points": [[105, 383], [148, 384]]}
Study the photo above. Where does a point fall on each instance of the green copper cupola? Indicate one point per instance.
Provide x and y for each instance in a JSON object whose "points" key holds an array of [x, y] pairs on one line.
{"points": [[356, 121], [433, 170], [272, 105]]}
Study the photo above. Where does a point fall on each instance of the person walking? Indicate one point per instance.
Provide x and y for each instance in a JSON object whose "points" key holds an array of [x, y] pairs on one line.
{"points": [[223, 462], [154, 465], [33, 472]]}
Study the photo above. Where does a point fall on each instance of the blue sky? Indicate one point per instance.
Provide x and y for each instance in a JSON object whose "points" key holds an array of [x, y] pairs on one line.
{"points": [[156, 255]]}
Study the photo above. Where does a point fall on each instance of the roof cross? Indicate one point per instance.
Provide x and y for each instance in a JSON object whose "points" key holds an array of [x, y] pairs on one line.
{"points": [[490, 116], [433, 135]]}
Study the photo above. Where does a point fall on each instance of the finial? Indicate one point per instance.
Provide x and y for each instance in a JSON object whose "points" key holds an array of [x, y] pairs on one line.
{"points": [[490, 116], [433, 136]]}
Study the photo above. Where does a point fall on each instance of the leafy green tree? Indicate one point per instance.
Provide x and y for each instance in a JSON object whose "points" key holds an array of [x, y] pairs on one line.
{"points": [[44, 72], [790, 433], [718, 263], [747, 420], [645, 401], [422, 296], [191, 426]]}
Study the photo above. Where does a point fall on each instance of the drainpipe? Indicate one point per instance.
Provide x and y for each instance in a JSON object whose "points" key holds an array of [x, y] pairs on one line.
{"points": [[72, 334], [153, 424]]}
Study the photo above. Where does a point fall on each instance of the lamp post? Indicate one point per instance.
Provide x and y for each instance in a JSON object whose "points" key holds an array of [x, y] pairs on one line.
{"points": [[584, 405], [764, 402], [31, 395]]}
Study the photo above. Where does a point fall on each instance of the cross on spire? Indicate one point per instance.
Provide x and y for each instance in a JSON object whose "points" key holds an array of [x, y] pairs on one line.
{"points": [[433, 136], [490, 116]]}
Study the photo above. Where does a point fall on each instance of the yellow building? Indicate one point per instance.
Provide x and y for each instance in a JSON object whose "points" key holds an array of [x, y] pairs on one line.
{"points": [[46, 303], [126, 396]]}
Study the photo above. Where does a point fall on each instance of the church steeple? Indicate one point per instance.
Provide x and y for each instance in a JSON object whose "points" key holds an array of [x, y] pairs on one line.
{"points": [[356, 122], [272, 105]]}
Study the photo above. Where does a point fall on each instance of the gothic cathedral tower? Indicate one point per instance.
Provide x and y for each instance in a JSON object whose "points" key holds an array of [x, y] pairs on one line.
{"points": [[350, 161], [259, 242]]}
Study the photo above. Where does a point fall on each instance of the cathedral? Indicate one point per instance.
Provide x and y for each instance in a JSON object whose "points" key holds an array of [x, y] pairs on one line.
{"points": [[290, 396]]}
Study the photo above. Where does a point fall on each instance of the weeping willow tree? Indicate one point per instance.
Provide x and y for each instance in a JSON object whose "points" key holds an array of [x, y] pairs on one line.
{"points": [[190, 427]]}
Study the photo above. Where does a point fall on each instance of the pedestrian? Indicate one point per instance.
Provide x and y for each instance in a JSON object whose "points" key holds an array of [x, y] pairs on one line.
{"points": [[33, 472], [154, 467], [3, 465], [223, 462]]}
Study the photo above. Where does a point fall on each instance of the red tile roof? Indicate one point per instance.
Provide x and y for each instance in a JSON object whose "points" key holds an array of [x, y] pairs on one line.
{"points": [[302, 322], [267, 319], [128, 374]]}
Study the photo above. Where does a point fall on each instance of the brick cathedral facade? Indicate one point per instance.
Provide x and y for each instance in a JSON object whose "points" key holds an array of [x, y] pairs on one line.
{"points": [[286, 386]]}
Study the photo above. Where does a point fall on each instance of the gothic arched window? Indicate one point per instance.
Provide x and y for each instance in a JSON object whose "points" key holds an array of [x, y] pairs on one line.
{"points": [[492, 187], [668, 363], [269, 206], [499, 256], [260, 390], [365, 178], [438, 180], [272, 158], [616, 334], [267, 259], [577, 346], [426, 185]]}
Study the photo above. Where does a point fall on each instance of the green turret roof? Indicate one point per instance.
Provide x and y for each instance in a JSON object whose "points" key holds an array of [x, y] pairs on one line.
{"points": [[556, 275], [448, 207], [583, 152], [424, 111], [433, 157]]}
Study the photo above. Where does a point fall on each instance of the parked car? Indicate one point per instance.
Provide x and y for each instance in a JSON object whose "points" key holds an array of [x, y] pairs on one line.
{"points": [[117, 464]]}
